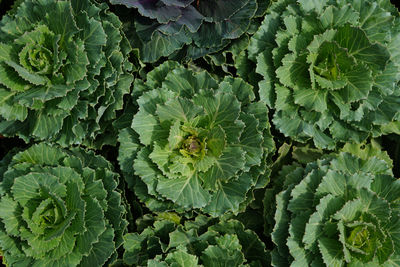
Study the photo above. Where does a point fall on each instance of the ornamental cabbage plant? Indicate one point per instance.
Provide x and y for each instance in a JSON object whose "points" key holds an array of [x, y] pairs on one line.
{"points": [[190, 28], [330, 68], [195, 142], [59, 208], [63, 72], [201, 242], [339, 211]]}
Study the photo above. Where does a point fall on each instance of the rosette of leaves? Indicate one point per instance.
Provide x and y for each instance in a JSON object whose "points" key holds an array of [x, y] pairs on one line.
{"points": [[339, 211], [195, 143], [63, 72], [59, 208], [202, 242], [190, 28], [330, 68]]}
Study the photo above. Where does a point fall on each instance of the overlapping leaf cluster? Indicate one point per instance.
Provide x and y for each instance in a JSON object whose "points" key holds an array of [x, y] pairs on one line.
{"points": [[59, 208], [63, 72], [203, 242], [196, 142], [190, 28], [330, 68], [337, 211]]}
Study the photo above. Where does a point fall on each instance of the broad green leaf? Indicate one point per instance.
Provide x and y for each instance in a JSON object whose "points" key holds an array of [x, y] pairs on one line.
{"points": [[185, 191], [38, 247], [343, 132], [40, 154], [42, 93], [252, 247], [216, 141], [365, 151], [149, 100], [178, 109], [264, 37], [102, 249], [226, 252], [156, 263], [302, 257], [303, 194], [77, 70], [184, 82], [94, 36], [251, 141], [290, 126], [385, 79], [225, 167], [375, 205], [163, 45], [386, 187], [5, 52], [313, 5], [333, 16], [26, 187], [328, 205], [294, 72], [242, 90], [62, 22], [182, 236], [221, 109], [46, 125], [181, 258], [26, 75], [284, 100], [94, 226], [375, 19], [281, 227], [306, 154], [132, 244], [10, 110], [10, 79], [66, 246], [179, 165], [353, 164], [229, 195], [176, 135], [156, 77], [148, 128], [292, 24], [129, 146], [161, 157], [9, 216], [311, 99], [316, 43], [361, 48], [331, 251], [146, 170], [72, 258]]}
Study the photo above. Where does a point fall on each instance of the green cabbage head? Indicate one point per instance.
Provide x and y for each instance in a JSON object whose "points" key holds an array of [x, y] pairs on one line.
{"points": [[339, 211], [196, 142], [331, 68], [188, 28], [195, 243], [63, 72], [59, 208]]}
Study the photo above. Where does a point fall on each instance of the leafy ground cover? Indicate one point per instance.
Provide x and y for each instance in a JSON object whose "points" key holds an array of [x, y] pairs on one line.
{"points": [[199, 133]]}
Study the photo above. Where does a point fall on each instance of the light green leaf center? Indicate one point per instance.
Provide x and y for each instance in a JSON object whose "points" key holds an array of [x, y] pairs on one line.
{"points": [[358, 236]]}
